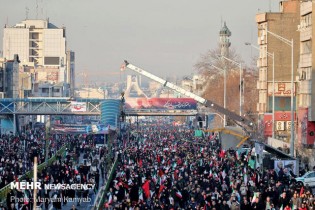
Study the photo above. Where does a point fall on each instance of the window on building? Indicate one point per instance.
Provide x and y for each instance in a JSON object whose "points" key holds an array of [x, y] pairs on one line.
{"points": [[306, 20], [45, 90], [306, 47], [51, 60]]}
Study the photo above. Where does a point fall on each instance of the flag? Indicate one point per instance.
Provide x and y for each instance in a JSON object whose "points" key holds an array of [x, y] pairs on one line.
{"points": [[210, 173], [179, 194], [174, 165], [160, 190], [140, 195], [26, 199], [200, 162], [161, 172], [146, 188], [222, 153], [237, 155], [110, 199], [122, 67]]}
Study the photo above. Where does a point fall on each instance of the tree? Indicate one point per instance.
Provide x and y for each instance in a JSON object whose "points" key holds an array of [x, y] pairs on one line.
{"points": [[214, 89]]}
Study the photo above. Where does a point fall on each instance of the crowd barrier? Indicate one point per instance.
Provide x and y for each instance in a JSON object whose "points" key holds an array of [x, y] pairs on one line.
{"points": [[101, 197]]}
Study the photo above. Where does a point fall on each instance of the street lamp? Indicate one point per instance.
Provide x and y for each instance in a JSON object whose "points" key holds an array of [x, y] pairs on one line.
{"points": [[272, 55], [224, 99], [291, 44], [222, 119], [241, 85]]}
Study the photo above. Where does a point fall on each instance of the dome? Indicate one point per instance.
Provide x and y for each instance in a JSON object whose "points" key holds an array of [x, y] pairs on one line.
{"points": [[225, 31]]}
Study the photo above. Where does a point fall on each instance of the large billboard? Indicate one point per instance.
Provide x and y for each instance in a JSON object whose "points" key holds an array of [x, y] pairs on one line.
{"points": [[161, 103]]}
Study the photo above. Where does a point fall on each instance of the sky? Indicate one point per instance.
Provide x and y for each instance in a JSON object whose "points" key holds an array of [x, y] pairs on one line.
{"points": [[163, 37]]}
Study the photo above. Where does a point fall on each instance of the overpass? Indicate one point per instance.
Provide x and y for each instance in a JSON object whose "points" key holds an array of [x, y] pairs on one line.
{"points": [[79, 106]]}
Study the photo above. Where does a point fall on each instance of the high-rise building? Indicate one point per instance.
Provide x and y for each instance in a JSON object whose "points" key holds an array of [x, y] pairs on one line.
{"points": [[70, 78], [41, 47], [271, 27], [35, 41]]}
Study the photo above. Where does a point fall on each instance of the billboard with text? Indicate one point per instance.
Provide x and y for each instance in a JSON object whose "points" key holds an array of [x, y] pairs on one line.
{"points": [[161, 103]]}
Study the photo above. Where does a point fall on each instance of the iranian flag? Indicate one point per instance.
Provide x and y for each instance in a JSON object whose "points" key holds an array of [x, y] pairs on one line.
{"points": [[237, 155], [179, 194], [140, 195]]}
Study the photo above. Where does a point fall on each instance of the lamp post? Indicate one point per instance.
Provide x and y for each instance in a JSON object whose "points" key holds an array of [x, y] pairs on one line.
{"points": [[291, 44], [224, 99], [222, 119], [272, 55], [241, 85]]}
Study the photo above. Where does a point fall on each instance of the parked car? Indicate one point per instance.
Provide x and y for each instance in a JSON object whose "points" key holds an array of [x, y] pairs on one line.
{"points": [[307, 179]]}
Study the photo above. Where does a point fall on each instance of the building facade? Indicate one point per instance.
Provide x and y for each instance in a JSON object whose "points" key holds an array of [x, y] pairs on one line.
{"points": [[35, 41], [306, 80], [284, 24], [43, 55]]}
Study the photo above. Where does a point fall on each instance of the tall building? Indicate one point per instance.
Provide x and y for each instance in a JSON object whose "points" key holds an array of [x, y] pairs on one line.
{"points": [[70, 78], [306, 80], [270, 25], [35, 41], [41, 47]]}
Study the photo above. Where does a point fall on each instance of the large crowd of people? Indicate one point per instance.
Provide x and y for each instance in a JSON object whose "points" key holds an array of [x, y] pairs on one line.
{"points": [[160, 167], [78, 165], [17, 152], [166, 167]]}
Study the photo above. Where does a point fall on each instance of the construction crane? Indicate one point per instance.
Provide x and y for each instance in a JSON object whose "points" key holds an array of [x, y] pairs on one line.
{"points": [[247, 125]]}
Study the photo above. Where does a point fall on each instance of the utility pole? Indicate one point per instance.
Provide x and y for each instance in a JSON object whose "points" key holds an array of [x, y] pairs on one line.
{"points": [[47, 129], [35, 180]]}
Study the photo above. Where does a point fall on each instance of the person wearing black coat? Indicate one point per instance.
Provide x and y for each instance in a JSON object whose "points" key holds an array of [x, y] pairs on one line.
{"points": [[56, 199], [134, 193], [284, 200], [245, 205]]}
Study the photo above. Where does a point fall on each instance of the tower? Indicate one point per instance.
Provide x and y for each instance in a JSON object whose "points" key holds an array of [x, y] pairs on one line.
{"points": [[225, 43]]}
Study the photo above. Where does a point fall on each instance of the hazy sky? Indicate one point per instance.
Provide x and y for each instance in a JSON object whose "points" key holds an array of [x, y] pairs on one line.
{"points": [[165, 37]]}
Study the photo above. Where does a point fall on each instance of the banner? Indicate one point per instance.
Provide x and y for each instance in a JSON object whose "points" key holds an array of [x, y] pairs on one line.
{"points": [[77, 129], [161, 103], [78, 106], [290, 165]]}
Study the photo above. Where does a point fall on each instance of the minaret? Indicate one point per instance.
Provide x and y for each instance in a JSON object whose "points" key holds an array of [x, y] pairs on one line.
{"points": [[225, 43]]}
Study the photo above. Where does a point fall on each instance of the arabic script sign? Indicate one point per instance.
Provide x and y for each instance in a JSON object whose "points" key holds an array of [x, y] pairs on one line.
{"points": [[281, 89], [161, 103]]}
